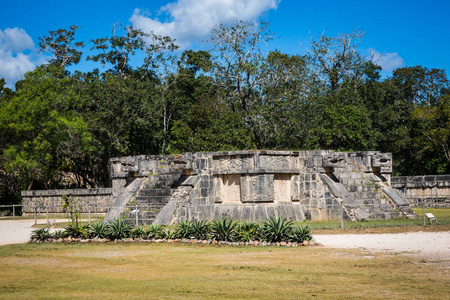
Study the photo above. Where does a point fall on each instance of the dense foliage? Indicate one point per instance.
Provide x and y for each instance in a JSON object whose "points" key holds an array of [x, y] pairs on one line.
{"points": [[58, 129]]}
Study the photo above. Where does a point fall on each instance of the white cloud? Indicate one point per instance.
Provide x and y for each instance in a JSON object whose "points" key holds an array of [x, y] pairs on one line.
{"points": [[15, 39], [190, 20], [387, 61], [13, 62], [12, 67]]}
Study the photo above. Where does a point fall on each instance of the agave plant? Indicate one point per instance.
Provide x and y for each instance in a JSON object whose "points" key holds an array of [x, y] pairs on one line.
{"points": [[276, 229], [119, 228], [248, 231], [77, 231], [200, 229], [183, 230], [300, 234], [155, 231], [98, 229], [223, 229], [59, 234], [168, 233], [138, 233], [40, 234]]}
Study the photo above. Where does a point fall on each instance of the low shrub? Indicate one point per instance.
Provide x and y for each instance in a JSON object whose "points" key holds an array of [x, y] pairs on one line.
{"points": [[40, 234], [57, 234], [248, 231], [201, 229], [138, 233], [168, 233], [155, 231], [276, 229], [98, 229], [119, 228], [183, 230], [223, 229], [300, 234], [226, 229], [77, 231]]}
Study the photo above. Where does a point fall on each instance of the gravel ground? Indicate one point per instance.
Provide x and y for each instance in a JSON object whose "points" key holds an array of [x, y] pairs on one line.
{"points": [[15, 232], [427, 245]]}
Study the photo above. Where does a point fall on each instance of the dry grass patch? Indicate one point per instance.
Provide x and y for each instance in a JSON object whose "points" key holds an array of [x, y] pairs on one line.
{"points": [[174, 271]]}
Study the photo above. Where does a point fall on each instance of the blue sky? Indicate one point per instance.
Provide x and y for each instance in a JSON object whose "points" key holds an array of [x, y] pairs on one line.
{"points": [[405, 33]]}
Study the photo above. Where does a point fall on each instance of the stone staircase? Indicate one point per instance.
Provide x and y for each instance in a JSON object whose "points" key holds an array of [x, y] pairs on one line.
{"points": [[373, 207], [349, 203], [155, 193], [379, 209], [395, 198]]}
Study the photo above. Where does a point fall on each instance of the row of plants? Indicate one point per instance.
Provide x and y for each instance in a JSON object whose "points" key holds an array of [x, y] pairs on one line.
{"points": [[226, 229]]}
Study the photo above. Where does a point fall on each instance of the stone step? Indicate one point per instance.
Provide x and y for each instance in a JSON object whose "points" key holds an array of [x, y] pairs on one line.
{"points": [[392, 215], [163, 184], [375, 201], [156, 192], [151, 200], [150, 208], [146, 208], [377, 216], [146, 222], [407, 212]]}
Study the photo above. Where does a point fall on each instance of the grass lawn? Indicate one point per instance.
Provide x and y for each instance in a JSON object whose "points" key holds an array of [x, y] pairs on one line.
{"points": [[179, 271], [386, 226]]}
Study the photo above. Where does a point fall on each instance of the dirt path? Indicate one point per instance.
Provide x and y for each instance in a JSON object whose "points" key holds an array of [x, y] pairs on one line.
{"points": [[19, 231], [15, 232], [427, 245]]}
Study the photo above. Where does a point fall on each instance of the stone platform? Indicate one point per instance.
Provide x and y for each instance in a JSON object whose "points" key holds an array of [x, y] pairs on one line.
{"points": [[256, 185]]}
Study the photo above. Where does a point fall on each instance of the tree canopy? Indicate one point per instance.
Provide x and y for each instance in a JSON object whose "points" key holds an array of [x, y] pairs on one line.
{"points": [[59, 129]]}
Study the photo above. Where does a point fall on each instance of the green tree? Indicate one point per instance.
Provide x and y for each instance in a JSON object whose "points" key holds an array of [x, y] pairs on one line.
{"points": [[61, 43], [7, 180], [417, 92], [201, 119], [5, 92], [118, 49], [44, 138], [286, 112], [335, 59], [345, 123], [238, 57], [420, 85], [431, 136]]}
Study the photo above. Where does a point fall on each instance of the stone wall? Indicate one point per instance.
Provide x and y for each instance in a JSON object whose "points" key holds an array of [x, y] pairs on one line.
{"points": [[255, 185], [246, 185], [97, 199], [434, 190], [259, 184]]}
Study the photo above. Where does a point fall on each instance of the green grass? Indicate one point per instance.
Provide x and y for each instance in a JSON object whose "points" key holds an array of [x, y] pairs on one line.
{"points": [[179, 271], [386, 226]]}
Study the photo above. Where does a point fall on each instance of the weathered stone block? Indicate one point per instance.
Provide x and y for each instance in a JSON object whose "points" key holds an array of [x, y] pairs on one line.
{"points": [[334, 160]]}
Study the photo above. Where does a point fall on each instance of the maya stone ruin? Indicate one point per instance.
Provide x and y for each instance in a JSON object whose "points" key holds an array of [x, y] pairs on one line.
{"points": [[256, 185]]}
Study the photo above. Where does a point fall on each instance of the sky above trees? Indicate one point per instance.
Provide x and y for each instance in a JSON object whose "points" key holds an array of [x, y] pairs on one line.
{"points": [[401, 33]]}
